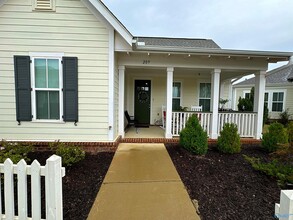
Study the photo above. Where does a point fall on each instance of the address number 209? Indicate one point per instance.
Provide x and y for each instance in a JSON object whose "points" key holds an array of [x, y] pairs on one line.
{"points": [[146, 62]]}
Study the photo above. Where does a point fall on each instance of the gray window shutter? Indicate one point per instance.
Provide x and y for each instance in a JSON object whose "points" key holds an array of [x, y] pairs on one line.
{"points": [[22, 88], [70, 89]]}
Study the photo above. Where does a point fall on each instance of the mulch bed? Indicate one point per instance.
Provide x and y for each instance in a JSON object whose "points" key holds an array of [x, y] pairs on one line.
{"points": [[80, 184], [226, 186]]}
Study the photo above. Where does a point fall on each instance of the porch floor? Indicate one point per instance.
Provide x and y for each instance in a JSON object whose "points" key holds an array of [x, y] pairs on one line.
{"points": [[150, 132]]}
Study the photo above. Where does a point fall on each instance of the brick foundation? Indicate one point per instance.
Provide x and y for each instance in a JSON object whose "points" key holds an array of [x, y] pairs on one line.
{"points": [[96, 147]]}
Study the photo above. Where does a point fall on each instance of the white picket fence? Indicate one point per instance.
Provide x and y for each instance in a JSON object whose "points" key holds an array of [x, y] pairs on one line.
{"points": [[179, 120], [53, 173], [245, 122], [284, 210]]}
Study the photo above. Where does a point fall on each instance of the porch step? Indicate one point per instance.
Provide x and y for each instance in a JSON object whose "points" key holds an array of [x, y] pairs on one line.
{"points": [[247, 141]]}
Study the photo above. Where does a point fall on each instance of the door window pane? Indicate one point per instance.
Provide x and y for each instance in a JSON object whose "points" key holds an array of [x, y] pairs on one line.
{"points": [[53, 73], [40, 73]]}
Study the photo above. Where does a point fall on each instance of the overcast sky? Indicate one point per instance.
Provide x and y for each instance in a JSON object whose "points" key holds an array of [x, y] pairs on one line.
{"points": [[232, 24]]}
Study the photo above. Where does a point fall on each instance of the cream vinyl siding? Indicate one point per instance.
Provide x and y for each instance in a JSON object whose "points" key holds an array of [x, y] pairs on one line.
{"points": [[189, 90], [71, 30]]}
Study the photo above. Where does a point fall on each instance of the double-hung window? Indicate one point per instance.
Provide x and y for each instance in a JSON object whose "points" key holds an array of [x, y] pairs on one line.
{"points": [[277, 103], [205, 96], [176, 102], [47, 88]]}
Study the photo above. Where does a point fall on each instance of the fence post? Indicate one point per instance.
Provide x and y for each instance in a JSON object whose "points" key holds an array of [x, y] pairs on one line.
{"points": [[284, 210], [54, 203], [8, 189]]}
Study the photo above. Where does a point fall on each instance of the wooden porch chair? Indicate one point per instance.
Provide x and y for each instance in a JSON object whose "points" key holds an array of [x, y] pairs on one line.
{"points": [[131, 120], [196, 108]]}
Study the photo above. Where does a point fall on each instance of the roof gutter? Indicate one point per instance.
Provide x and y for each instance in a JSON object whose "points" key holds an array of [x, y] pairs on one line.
{"points": [[138, 46]]}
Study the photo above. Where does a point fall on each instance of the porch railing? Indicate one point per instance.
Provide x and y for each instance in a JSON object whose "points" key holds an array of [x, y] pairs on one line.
{"points": [[179, 120], [244, 121]]}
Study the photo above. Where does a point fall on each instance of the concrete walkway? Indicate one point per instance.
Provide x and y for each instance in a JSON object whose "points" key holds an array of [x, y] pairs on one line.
{"points": [[142, 183]]}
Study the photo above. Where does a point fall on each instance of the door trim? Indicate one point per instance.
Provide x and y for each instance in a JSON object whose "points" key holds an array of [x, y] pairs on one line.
{"points": [[151, 98]]}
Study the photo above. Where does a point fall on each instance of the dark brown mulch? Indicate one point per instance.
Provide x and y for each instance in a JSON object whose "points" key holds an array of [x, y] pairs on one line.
{"points": [[81, 183], [226, 186]]}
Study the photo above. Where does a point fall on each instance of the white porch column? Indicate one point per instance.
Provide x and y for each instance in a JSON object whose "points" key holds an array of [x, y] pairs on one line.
{"points": [[121, 72], [170, 71], [258, 105], [215, 84]]}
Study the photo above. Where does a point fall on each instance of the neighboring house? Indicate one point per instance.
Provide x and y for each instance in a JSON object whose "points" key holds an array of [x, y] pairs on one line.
{"points": [[69, 70], [278, 90]]}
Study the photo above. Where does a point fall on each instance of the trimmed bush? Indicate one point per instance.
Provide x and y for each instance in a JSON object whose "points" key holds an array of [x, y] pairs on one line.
{"points": [[290, 133], [276, 135], [14, 151], [70, 153], [229, 140], [193, 137]]}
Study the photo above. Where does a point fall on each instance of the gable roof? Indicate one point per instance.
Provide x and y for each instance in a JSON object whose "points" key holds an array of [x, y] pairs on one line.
{"points": [[279, 76], [176, 42], [102, 9]]}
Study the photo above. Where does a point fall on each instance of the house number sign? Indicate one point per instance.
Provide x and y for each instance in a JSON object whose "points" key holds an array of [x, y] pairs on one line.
{"points": [[146, 62]]}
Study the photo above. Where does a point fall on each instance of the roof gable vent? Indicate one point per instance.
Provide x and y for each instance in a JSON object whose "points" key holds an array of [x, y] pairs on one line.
{"points": [[44, 5]]}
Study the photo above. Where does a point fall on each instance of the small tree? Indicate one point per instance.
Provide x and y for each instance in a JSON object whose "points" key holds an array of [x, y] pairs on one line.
{"points": [[275, 136], [246, 104], [229, 140], [193, 137]]}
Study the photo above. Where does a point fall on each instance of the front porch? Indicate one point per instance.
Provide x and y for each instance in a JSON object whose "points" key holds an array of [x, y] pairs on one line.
{"points": [[155, 81], [245, 122]]}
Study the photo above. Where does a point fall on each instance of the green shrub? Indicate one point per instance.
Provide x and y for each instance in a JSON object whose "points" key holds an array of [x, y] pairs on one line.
{"points": [[284, 117], [193, 137], [276, 135], [229, 140], [70, 153], [290, 132], [14, 151], [282, 172]]}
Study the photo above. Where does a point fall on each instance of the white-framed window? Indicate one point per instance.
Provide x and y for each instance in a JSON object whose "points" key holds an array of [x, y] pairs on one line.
{"points": [[246, 94], [176, 102], [278, 102], [47, 98], [205, 96], [44, 5], [266, 99]]}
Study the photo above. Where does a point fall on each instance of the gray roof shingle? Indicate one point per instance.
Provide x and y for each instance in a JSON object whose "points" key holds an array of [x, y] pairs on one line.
{"points": [[178, 42], [281, 75]]}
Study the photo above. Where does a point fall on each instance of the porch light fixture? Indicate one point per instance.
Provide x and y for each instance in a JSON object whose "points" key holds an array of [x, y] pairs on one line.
{"points": [[229, 57], [169, 54], [209, 56], [128, 53], [268, 58], [189, 55], [149, 54]]}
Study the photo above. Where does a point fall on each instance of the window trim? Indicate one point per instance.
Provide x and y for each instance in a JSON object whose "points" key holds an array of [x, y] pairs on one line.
{"points": [[180, 98], [60, 89], [283, 102], [205, 82]]}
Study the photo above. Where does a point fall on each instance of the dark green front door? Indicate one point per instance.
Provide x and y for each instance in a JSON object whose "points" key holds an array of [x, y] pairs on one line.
{"points": [[142, 100]]}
